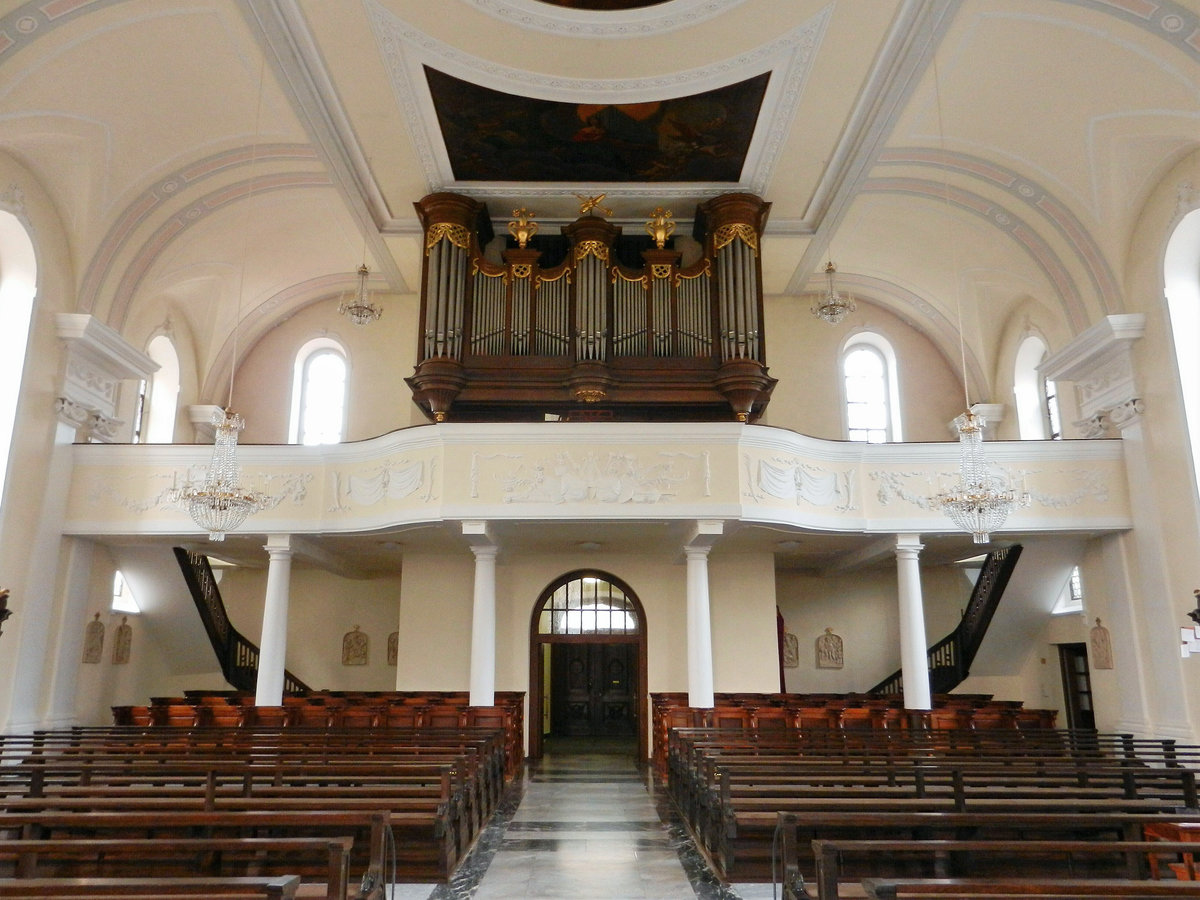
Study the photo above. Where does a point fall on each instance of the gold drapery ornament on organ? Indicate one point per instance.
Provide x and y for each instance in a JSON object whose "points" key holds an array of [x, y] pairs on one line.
{"points": [[458, 235]]}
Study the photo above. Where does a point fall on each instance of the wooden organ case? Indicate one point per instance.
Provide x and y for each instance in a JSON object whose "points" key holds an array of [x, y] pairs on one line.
{"points": [[590, 338]]}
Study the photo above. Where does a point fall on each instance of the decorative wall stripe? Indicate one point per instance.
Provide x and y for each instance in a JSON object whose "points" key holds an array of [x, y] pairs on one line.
{"points": [[170, 188], [1007, 222], [1033, 195], [190, 215]]}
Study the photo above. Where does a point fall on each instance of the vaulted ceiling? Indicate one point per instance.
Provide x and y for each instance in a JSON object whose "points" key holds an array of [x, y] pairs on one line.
{"points": [[997, 151]]}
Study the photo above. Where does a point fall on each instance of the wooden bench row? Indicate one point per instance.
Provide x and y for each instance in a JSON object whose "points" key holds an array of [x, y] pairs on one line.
{"points": [[338, 710], [432, 790], [1063, 867], [731, 787], [804, 712]]}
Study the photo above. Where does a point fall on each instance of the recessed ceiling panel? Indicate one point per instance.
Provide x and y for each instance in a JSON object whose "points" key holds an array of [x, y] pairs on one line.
{"points": [[494, 136]]}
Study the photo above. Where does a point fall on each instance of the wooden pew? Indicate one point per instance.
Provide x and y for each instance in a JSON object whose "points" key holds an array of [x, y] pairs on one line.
{"points": [[161, 888], [174, 857], [368, 830], [989, 858], [1028, 888]]}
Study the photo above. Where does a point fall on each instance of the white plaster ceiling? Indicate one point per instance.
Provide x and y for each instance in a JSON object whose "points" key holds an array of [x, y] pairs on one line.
{"points": [[1013, 170]]}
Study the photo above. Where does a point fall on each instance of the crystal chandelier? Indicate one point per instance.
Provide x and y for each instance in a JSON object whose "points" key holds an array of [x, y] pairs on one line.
{"points": [[219, 503], [979, 501], [832, 306], [359, 307]]}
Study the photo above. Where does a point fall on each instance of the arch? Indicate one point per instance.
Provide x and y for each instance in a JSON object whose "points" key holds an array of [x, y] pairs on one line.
{"points": [[18, 288], [1181, 281], [320, 377], [593, 607], [870, 388]]}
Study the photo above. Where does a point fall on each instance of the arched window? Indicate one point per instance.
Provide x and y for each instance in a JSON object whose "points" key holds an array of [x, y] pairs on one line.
{"points": [[319, 393], [18, 284], [1037, 409], [588, 604], [1181, 278], [870, 390], [162, 398]]}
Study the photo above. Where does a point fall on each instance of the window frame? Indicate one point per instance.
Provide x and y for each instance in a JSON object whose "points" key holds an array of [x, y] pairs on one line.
{"points": [[880, 345], [302, 364]]}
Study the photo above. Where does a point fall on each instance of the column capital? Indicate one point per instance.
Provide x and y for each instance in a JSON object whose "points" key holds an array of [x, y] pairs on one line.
{"points": [[279, 546], [908, 546]]}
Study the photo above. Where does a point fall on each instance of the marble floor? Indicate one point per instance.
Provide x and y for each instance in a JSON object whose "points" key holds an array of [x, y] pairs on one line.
{"points": [[585, 823]]}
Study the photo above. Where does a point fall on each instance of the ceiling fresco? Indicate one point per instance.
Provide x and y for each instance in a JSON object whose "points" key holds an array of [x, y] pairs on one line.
{"points": [[490, 135], [601, 5]]}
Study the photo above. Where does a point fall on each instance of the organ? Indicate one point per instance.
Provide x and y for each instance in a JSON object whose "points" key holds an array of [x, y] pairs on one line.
{"points": [[619, 328]]}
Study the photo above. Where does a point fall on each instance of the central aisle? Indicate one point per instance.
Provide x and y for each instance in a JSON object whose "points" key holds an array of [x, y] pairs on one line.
{"points": [[588, 824]]}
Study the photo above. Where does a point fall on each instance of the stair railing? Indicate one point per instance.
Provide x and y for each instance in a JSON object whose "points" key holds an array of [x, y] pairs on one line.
{"points": [[237, 655], [950, 658]]}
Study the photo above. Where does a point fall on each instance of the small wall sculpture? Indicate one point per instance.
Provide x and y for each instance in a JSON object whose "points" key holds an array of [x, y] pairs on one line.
{"points": [[354, 648], [93, 641], [123, 642], [1101, 647], [829, 651]]}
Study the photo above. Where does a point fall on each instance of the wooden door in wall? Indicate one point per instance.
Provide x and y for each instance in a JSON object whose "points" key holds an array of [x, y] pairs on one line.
{"points": [[593, 689], [1077, 685]]}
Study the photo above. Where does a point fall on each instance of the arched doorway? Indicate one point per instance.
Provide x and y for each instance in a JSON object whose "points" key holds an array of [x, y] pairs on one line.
{"points": [[587, 662]]}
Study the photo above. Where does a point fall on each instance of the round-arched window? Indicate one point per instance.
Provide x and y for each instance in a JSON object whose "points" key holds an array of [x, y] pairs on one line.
{"points": [[588, 603]]}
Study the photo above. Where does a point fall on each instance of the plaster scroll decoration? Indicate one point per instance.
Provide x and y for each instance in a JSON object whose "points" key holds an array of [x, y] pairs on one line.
{"points": [[393, 480], [474, 474], [790, 479], [594, 478], [1128, 413], [1091, 486], [891, 485], [104, 428], [71, 413], [1093, 427]]}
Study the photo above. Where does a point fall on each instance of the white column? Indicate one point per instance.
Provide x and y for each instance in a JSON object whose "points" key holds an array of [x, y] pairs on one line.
{"points": [[699, 630], [705, 533], [483, 627], [914, 658], [273, 646]]}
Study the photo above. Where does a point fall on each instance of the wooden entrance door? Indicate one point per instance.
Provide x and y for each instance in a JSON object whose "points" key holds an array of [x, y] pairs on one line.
{"points": [[593, 689], [1077, 685]]}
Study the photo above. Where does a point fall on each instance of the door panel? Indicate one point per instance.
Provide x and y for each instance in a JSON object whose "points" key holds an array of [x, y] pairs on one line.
{"points": [[593, 689]]}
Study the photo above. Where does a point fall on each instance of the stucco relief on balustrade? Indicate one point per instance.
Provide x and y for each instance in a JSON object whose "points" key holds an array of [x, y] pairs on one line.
{"points": [[616, 477], [130, 492], [918, 487], [391, 480], [795, 481]]}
